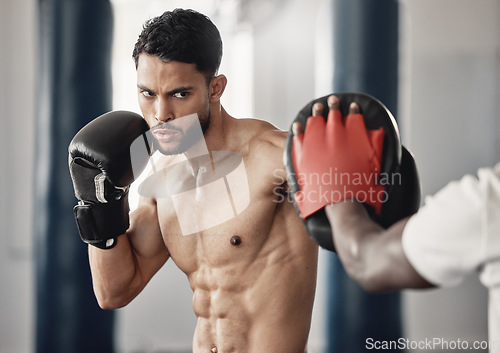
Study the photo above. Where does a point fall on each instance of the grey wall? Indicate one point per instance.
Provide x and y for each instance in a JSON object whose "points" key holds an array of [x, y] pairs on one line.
{"points": [[17, 106]]}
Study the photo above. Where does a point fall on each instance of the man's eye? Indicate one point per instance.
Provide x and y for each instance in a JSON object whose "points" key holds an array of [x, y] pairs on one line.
{"points": [[181, 94], [147, 94]]}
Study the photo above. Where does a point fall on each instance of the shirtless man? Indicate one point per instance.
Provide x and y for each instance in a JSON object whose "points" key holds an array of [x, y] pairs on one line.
{"points": [[253, 276]]}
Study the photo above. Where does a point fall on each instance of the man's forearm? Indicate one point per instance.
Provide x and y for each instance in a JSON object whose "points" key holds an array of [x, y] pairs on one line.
{"points": [[113, 274], [371, 255], [352, 231]]}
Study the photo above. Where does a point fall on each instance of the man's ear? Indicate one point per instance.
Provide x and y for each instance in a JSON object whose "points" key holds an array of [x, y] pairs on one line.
{"points": [[217, 87]]}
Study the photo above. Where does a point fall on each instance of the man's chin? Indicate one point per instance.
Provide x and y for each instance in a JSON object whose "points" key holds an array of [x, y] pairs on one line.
{"points": [[168, 149]]}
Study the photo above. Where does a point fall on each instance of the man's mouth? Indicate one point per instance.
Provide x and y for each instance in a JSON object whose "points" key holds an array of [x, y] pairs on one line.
{"points": [[165, 135]]}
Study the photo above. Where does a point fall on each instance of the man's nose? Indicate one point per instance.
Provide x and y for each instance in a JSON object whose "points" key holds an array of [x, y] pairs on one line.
{"points": [[164, 111]]}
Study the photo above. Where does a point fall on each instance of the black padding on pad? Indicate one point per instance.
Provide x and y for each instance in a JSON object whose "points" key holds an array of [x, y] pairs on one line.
{"points": [[405, 195]]}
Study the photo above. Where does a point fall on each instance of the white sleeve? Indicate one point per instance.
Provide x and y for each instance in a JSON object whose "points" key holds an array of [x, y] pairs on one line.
{"points": [[456, 232]]}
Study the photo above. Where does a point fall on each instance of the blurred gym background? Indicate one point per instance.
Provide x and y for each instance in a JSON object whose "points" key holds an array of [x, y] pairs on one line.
{"points": [[444, 89]]}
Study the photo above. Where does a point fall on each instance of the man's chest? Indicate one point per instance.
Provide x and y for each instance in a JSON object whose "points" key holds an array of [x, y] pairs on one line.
{"points": [[215, 233], [220, 214]]}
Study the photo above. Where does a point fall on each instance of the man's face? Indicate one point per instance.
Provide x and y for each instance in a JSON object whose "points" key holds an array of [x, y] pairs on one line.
{"points": [[168, 91]]}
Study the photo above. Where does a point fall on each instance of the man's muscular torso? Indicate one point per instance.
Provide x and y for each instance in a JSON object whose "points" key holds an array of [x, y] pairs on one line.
{"points": [[254, 276]]}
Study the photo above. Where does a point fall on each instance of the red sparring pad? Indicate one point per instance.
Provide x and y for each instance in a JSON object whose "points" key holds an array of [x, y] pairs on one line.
{"points": [[379, 169]]}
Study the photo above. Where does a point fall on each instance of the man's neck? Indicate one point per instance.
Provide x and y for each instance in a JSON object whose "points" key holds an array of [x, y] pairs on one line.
{"points": [[215, 139]]}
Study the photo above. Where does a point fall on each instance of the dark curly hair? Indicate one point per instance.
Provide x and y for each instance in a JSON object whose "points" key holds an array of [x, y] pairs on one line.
{"points": [[182, 35]]}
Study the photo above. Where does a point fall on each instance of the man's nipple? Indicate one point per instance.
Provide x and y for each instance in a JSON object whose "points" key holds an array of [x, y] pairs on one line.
{"points": [[235, 240]]}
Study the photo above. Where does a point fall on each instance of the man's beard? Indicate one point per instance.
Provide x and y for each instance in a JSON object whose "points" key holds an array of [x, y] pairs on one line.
{"points": [[189, 137]]}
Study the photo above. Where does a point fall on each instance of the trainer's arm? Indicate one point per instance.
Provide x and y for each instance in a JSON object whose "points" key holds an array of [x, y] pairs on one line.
{"points": [[372, 256], [119, 274]]}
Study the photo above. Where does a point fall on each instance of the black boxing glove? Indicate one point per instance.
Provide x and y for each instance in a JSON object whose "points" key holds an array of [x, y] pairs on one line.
{"points": [[103, 156], [393, 191]]}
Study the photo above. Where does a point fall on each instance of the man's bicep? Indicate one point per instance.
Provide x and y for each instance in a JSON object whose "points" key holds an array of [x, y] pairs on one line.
{"points": [[145, 237]]}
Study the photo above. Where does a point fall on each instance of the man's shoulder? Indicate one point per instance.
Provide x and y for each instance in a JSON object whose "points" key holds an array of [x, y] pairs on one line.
{"points": [[264, 147], [263, 135]]}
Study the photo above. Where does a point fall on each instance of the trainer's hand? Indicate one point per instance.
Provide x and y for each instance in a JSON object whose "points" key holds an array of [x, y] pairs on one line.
{"points": [[337, 159]]}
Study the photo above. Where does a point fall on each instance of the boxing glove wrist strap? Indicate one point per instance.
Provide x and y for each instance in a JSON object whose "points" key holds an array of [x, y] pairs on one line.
{"points": [[99, 222]]}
